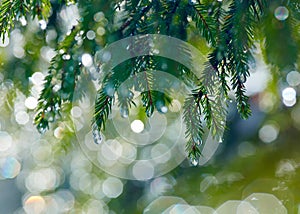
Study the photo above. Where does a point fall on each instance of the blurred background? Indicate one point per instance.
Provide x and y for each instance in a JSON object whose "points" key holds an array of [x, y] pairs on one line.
{"points": [[255, 169]]}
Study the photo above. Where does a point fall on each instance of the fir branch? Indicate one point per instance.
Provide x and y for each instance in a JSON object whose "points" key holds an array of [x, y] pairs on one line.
{"points": [[10, 11], [205, 17], [59, 84]]}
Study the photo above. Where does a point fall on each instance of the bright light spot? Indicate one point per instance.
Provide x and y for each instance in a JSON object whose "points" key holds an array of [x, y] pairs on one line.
{"points": [[99, 16], [111, 150], [137, 126], [100, 31], [289, 96], [266, 203], [289, 103], [192, 1], [5, 42], [18, 52], [286, 168], [112, 187], [10, 167], [293, 78], [235, 206], [281, 13], [23, 21], [5, 141], [143, 170], [76, 112], [87, 60], [90, 35], [22, 118], [34, 204], [43, 24], [58, 132], [37, 78], [66, 57], [268, 133], [31, 103], [160, 204], [42, 180]]}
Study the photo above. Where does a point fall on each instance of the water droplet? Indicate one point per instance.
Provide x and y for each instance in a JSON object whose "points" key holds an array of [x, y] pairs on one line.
{"points": [[109, 89], [194, 161], [242, 78], [66, 57], [160, 106], [41, 129], [220, 140], [130, 95], [192, 2], [197, 141], [124, 112], [97, 136], [149, 113], [43, 24], [281, 13]]}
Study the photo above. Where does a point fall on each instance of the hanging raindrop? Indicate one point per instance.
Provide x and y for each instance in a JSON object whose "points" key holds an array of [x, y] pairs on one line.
{"points": [[97, 136], [194, 161], [124, 112], [161, 108]]}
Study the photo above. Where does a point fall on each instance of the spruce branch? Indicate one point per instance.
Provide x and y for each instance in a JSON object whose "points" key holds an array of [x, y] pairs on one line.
{"points": [[59, 84], [10, 11]]}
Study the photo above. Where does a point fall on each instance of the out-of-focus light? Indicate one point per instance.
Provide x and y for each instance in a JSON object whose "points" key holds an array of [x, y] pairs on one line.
{"points": [[286, 168], [42, 180], [5, 141], [31, 102], [90, 35], [246, 149], [137, 126], [10, 167], [112, 187], [23, 21], [111, 150], [58, 132], [160, 204], [37, 78], [266, 102], [281, 13], [293, 78], [43, 24], [76, 112], [266, 203], [143, 170], [22, 117], [34, 204], [100, 31], [235, 206], [87, 60], [268, 133], [289, 96], [99, 16]]}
